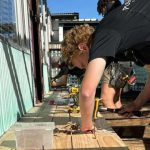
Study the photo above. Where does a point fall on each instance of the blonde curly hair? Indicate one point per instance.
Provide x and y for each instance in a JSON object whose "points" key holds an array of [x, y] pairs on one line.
{"points": [[72, 38]]}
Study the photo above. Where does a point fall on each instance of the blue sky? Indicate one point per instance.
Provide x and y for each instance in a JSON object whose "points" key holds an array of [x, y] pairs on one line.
{"points": [[86, 8]]}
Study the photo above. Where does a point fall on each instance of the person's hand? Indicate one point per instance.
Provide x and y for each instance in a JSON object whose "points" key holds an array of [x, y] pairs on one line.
{"points": [[129, 110], [53, 83]]}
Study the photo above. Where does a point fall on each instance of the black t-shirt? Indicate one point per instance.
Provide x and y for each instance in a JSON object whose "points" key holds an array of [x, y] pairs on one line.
{"points": [[76, 71], [65, 71], [124, 29]]}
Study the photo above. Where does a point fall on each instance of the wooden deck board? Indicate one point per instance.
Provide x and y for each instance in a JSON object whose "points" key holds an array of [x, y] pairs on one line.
{"points": [[85, 141], [137, 144], [113, 119], [80, 140], [109, 140], [105, 138], [129, 122], [62, 141]]}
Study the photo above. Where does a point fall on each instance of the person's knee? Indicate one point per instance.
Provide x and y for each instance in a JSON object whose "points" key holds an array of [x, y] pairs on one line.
{"points": [[107, 93], [104, 98]]}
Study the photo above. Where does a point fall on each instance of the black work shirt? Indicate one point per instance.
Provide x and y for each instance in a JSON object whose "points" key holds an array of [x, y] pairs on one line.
{"points": [[123, 29], [65, 71]]}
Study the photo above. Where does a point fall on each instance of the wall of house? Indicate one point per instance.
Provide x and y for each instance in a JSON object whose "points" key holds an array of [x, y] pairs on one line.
{"points": [[16, 84], [46, 78], [45, 22]]}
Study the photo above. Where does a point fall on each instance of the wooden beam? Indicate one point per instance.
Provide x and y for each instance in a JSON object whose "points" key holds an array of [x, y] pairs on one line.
{"points": [[129, 122]]}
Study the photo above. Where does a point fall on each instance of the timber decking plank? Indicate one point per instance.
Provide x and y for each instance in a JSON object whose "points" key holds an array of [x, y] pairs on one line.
{"points": [[33, 114], [61, 119], [110, 141], [114, 119], [101, 124], [105, 137], [137, 144], [61, 140], [147, 132], [80, 140], [111, 115], [45, 115], [84, 141], [129, 122]]}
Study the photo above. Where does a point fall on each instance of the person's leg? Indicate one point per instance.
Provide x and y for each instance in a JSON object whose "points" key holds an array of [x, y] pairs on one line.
{"points": [[110, 95], [117, 98]]}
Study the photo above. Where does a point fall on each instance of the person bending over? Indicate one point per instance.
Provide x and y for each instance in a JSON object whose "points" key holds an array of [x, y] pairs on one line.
{"points": [[111, 95], [61, 78], [125, 38]]}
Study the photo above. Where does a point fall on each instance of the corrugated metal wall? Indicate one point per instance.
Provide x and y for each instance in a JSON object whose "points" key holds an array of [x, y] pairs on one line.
{"points": [[16, 90]]}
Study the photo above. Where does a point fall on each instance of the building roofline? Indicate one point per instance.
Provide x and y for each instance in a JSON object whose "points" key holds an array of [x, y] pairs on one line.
{"points": [[66, 14], [79, 21]]}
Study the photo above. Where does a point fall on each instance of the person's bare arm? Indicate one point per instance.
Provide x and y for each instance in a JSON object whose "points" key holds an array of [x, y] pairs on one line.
{"points": [[62, 82], [90, 81], [142, 98]]}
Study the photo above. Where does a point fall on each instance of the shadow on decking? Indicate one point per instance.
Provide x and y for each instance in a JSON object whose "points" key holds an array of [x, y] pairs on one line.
{"points": [[9, 144]]}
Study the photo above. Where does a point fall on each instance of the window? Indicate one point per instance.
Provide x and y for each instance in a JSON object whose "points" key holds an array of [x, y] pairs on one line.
{"points": [[15, 21], [7, 19]]}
